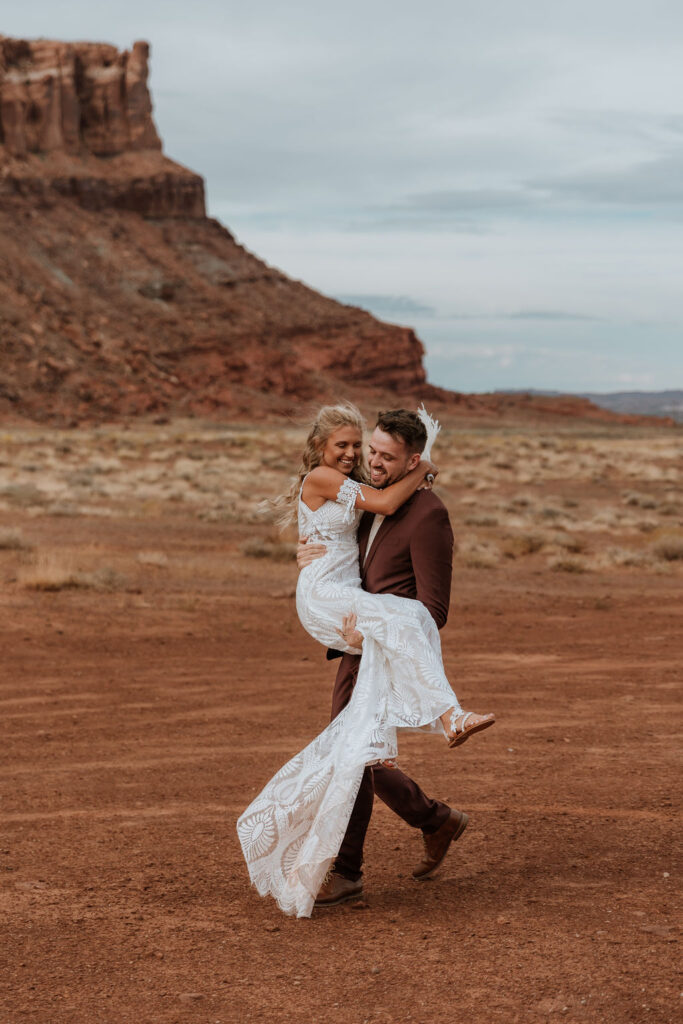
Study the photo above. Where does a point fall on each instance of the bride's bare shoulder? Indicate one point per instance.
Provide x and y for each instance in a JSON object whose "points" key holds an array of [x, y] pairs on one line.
{"points": [[323, 476]]}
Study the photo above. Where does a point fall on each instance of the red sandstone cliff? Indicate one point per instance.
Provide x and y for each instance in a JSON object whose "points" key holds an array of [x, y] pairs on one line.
{"points": [[76, 118], [119, 297]]}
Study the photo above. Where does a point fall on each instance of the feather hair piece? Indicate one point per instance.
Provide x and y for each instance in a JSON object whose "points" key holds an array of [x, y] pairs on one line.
{"points": [[432, 427]]}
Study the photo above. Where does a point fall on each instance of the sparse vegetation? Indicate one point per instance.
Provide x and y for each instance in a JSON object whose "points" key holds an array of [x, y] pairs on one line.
{"points": [[476, 554], [157, 559], [277, 551], [50, 570], [567, 565], [55, 570], [480, 520], [12, 539], [669, 548], [520, 544], [640, 500], [23, 495], [514, 495]]}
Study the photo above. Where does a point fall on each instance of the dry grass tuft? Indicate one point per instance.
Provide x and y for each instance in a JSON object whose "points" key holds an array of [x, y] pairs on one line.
{"points": [[480, 520], [568, 542], [50, 570], [476, 554], [520, 544], [55, 570], [640, 500], [23, 495], [567, 565], [669, 547], [277, 551], [13, 540], [157, 559], [615, 557]]}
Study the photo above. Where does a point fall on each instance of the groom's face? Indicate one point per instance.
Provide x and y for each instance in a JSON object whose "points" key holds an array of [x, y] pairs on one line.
{"points": [[389, 458]]}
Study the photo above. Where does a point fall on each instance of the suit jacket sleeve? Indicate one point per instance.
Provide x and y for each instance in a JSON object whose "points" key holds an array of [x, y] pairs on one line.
{"points": [[431, 551]]}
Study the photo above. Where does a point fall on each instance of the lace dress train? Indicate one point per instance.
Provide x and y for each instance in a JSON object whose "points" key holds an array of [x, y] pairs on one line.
{"points": [[291, 833]]}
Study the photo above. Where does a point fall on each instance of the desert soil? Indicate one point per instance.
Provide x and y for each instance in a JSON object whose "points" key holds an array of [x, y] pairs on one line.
{"points": [[154, 676]]}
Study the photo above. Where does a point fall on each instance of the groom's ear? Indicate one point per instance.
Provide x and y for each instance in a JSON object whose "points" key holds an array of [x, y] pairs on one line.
{"points": [[413, 461]]}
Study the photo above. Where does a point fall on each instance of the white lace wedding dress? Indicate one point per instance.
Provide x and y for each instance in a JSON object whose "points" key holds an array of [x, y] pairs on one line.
{"points": [[292, 831]]}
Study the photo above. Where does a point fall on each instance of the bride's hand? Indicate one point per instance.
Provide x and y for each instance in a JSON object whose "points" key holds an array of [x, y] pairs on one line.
{"points": [[350, 635], [431, 471]]}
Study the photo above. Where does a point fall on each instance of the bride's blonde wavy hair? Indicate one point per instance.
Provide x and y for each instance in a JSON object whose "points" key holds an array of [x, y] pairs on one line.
{"points": [[329, 418]]}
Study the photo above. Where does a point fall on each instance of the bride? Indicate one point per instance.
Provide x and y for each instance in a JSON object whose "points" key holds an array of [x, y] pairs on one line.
{"points": [[291, 833]]}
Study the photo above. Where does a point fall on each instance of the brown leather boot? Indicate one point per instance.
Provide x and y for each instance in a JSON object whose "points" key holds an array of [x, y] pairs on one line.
{"points": [[437, 844], [337, 889]]}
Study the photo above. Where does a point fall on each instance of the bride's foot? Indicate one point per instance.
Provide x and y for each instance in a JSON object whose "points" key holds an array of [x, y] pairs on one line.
{"points": [[459, 725]]}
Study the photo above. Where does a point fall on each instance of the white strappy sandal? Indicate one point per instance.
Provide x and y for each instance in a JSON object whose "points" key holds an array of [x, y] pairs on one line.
{"points": [[463, 723]]}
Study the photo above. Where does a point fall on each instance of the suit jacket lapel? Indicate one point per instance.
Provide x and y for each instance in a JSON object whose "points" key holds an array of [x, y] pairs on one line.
{"points": [[364, 528], [385, 528]]}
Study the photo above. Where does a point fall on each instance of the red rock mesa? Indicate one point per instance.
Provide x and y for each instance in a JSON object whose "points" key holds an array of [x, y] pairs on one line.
{"points": [[119, 297]]}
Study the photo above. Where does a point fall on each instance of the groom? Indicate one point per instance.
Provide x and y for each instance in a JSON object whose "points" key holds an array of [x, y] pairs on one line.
{"points": [[409, 554]]}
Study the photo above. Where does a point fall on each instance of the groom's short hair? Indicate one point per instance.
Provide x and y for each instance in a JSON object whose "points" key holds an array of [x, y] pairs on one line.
{"points": [[405, 426]]}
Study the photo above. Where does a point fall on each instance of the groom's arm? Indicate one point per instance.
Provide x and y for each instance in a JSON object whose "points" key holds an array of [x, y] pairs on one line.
{"points": [[431, 552]]}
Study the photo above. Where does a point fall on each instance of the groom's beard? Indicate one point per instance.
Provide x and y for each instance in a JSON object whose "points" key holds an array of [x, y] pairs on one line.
{"points": [[384, 479]]}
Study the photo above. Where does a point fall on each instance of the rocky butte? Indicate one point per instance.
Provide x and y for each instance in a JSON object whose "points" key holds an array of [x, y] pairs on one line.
{"points": [[119, 297]]}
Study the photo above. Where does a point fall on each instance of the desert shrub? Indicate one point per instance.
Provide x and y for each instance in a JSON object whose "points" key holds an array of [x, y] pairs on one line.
{"points": [[276, 550], [569, 542], [12, 540], [563, 564], [23, 494], [669, 548], [550, 512], [65, 509], [50, 570], [480, 520], [81, 478], [55, 570], [519, 501], [477, 554], [615, 557], [157, 559], [105, 578], [640, 500], [669, 509], [218, 515], [520, 544]]}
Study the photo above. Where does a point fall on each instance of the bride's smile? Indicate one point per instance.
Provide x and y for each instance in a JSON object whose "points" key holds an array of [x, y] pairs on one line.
{"points": [[342, 449]]}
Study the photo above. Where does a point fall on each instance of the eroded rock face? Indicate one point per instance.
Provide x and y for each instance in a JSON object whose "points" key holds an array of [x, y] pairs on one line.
{"points": [[78, 117], [72, 96]]}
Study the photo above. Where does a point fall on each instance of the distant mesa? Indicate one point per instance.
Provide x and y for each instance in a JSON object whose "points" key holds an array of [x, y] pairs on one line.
{"points": [[120, 298]]}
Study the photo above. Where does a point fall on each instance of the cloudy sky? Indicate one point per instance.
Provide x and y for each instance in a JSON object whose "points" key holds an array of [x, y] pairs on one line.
{"points": [[505, 176]]}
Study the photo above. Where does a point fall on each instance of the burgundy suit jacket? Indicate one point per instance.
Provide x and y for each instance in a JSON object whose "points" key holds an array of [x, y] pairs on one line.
{"points": [[411, 556]]}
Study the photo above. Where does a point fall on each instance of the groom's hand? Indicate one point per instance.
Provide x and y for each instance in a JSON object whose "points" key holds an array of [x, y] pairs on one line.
{"points": [[350, 635], [307, 553]]}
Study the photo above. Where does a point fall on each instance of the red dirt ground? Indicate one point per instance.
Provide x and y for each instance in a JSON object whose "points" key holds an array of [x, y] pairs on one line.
{"points": [[138, 724]]}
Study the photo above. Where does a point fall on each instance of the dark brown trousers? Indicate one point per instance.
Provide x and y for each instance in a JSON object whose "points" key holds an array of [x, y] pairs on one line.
{"points": [[394, 787]]}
